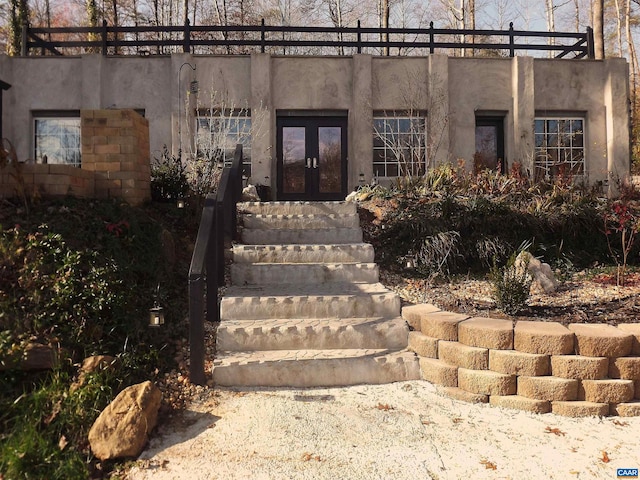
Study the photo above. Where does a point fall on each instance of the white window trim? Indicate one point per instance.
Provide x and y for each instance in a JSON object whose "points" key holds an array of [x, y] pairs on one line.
{"points": [[546, 166], [396, 118], [55, 115]]}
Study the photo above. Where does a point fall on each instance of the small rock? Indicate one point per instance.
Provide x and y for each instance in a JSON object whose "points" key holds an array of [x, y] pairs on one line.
{"points": [[250, 194], [541, 272], [122, 429], [92, 364]]}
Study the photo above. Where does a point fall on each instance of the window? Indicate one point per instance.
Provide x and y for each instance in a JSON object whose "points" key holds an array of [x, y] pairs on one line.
{"points": [[57, 140], [559, 146], [399, 146], [217, 136]]}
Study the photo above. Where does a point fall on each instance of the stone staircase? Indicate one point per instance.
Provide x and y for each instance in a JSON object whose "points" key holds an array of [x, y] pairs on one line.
{"points": [[305, 308]]}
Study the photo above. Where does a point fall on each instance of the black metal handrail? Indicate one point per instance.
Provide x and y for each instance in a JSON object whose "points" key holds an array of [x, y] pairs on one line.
{"points": [[116, 40], [206, 273]]}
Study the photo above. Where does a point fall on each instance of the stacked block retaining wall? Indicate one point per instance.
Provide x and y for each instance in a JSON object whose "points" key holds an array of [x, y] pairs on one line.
{"points": [[115, 162], [579, 370]]}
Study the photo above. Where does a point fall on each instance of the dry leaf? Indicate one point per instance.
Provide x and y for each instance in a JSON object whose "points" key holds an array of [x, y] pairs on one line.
{"points": [[605, 457], [384, 406], [62, 442], [555, 431], [457, 420], [309, 456], [620, 424], [574, 472], [488, 465], [57, 407], [424, 422]]}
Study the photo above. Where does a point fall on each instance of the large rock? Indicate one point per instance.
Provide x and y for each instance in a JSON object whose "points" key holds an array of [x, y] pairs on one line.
{"points": [[540, 272], [123, 428], [250, 194]]}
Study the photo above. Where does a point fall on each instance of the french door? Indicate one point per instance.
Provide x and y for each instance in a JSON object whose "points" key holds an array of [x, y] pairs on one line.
{"points": [[312, 158]]}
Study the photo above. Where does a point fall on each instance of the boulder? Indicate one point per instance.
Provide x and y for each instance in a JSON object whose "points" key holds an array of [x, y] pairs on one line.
{"points": [[250, 194], [34, 356], [540, 272], [122, 429]]}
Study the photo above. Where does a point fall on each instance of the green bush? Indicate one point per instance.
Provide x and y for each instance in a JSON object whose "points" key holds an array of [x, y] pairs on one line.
{"points": [[168, 177], [511, 285]]}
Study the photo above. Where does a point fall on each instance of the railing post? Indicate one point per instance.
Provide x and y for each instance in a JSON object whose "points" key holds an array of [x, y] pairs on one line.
{"points": [[219, 241], [359, 38], [196, 330], [512, 51], [186, 41], [262, 34], [24, 38], [431, 48], [104, 37], [591, 50]]}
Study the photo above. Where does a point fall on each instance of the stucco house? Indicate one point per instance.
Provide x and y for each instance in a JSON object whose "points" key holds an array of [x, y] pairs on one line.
{"points": [[315, 127]]}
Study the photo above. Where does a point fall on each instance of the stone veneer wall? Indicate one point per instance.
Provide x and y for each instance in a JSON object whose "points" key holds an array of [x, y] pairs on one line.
{"points": [[582, 370], [115, 162]]}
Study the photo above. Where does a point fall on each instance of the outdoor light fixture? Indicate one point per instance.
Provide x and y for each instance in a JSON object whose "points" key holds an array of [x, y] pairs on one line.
{"points": [[245, 180], [180, 203], [193, 89], [194, 86], [361, 180], [156, 313]]}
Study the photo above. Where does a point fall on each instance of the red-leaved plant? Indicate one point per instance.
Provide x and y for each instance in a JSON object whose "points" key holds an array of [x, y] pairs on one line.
{"points": [[621, 219]]}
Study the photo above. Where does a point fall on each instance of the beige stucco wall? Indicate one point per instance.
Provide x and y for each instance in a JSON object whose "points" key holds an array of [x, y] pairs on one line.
{"points": [[451, 90]]}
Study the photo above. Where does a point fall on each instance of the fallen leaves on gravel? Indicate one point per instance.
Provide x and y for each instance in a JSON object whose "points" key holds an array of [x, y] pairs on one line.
{"points": [[310, 456], [555, 431], [605, 457], [384, 406], [488, 465], [620, 424]]}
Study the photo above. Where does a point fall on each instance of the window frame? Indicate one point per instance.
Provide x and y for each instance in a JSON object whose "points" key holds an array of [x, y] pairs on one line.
{"points": [[56, 115], [556, 155], [245, 136], [392, 165]]}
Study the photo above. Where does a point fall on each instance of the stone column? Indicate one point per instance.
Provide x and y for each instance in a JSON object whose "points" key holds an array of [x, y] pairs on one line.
{"points": [[616, 101], [360, 138], [520, 144], [263, 120], [439, 121]]}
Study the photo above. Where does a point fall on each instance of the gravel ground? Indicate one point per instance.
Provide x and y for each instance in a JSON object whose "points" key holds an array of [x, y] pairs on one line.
{"points": [[404, 430]]}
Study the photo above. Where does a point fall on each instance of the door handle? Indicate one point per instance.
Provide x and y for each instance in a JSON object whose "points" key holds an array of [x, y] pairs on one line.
{"points": [[315, 163], [308, 163]]}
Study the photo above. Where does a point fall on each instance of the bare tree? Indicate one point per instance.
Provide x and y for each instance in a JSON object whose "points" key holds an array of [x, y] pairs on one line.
{"points": [[384, 13], [598, 28]]}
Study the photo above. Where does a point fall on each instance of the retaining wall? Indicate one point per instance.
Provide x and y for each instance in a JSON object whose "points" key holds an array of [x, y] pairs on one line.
{"points": [[115, 163], [579, 370]]}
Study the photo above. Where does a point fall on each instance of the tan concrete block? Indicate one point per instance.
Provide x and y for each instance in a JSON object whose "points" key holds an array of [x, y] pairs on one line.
{"points": [[486, 382], [464, 396], [600, 340], [518, 363], [99, 140], [627, 368], [629, 409], [442, 325], [548, 388], [580, 409], [107, 148], [486, 333], [545, 338], [633, 329], [608, 391], [455, 353], [438, 372], [517, 402], [637, 389], [86, 114], [580, 367], [413, 314], [107, 131], [421, 344]]}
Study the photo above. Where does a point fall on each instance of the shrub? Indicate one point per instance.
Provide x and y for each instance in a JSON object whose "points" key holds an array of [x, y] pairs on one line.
{"points": [[511, 284], [168, 177]]}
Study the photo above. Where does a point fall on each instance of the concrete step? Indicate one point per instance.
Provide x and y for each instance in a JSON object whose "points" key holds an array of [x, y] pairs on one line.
{"points": [[269, 273], [314, 368], [317, 334], [332, 300], [314, 221], [297, 208], [252, 236], [353, 252]]}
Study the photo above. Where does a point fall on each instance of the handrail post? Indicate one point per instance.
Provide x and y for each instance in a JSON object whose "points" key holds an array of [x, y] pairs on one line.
{"points": [[104, 37], [196, 330], [186, 41], [24, 38], [591, 50], [512, 51], [359, 33], [262, 35], [431, 48]]}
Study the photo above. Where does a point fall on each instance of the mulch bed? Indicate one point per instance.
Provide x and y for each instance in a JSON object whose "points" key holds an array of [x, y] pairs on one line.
{"points": [[581, 299]]}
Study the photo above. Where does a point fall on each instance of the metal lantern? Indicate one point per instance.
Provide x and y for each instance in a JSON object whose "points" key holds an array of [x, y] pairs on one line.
{"points": [[361, 180], [180, 203], [194, 87], [156, 316]]}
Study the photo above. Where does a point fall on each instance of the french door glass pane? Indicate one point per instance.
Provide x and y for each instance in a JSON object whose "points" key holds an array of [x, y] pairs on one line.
{"points": [[330, 159], [293, 159]]}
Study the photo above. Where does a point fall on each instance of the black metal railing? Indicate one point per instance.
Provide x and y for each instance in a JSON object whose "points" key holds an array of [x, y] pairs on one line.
{"points": [[207, 39], [206, 273]]}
